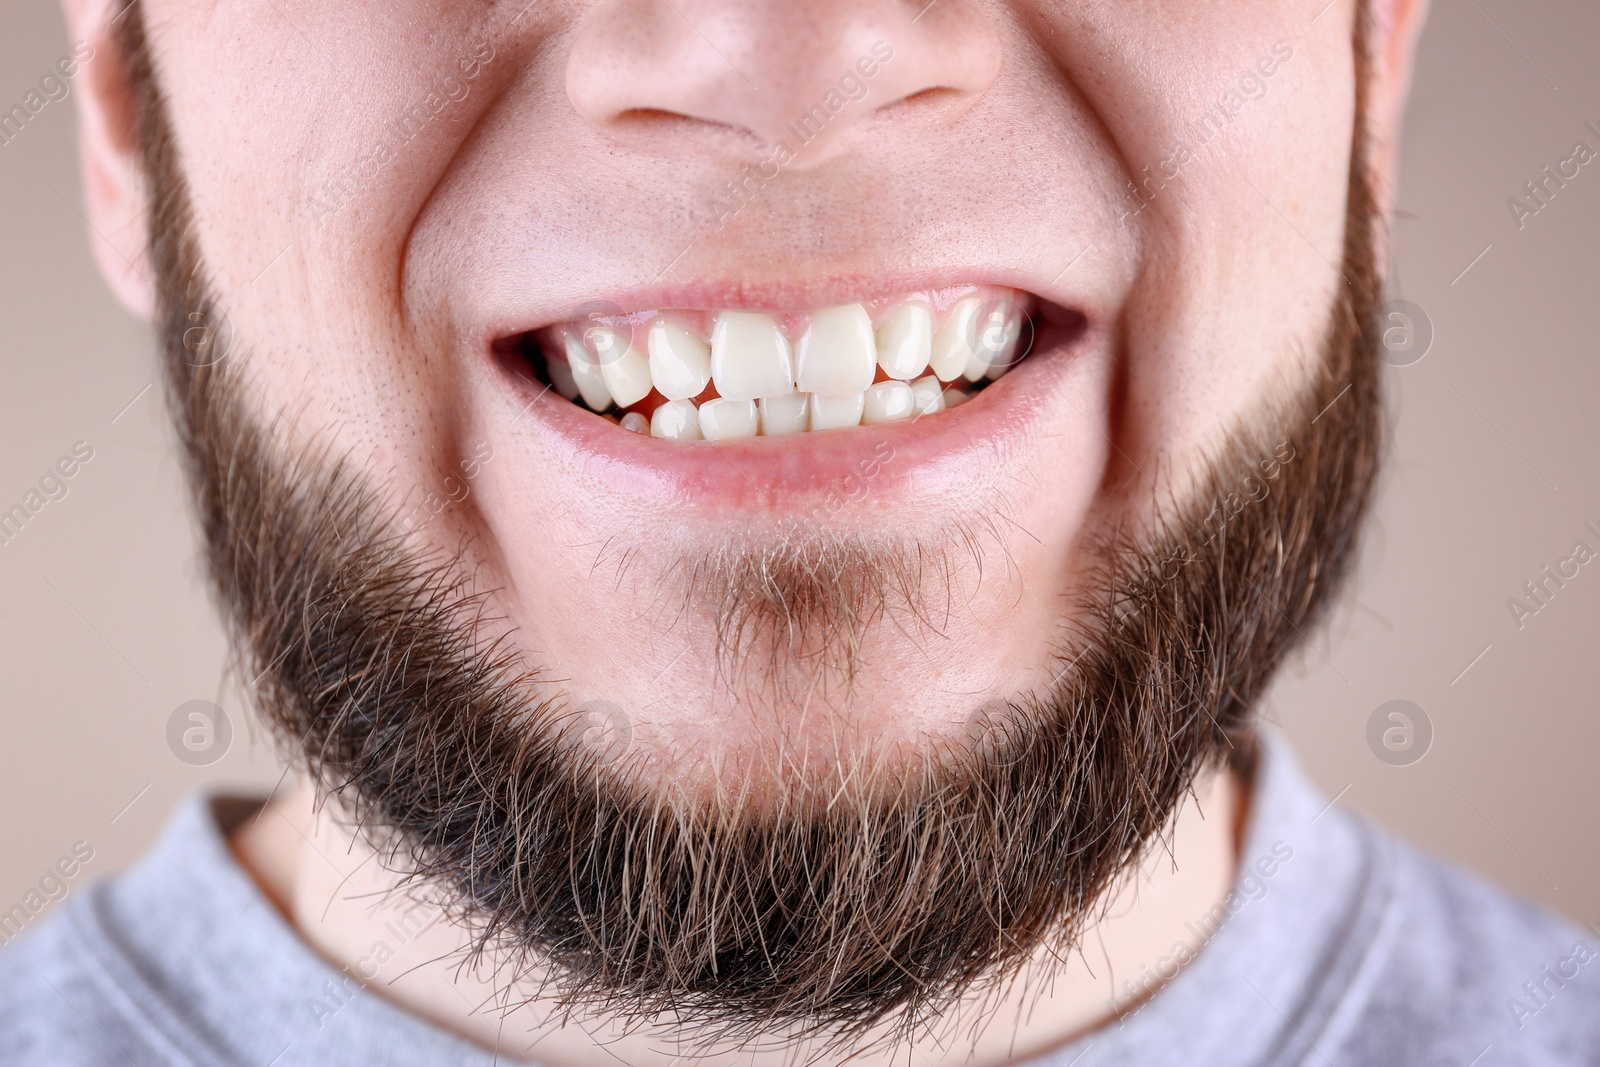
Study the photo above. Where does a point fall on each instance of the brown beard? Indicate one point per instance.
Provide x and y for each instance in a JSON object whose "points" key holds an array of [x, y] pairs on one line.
{"points": [[882, 907], [790, 611]]}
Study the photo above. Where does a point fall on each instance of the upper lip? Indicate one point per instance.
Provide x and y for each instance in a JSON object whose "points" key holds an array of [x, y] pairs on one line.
{"points": [[801, 295]]}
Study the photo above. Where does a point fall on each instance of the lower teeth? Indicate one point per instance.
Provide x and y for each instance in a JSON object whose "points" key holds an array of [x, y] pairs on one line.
{"points": [[714, 418]]}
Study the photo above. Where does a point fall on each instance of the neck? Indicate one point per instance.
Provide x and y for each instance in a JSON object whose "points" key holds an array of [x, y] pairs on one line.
{"points": [[333, 889]]}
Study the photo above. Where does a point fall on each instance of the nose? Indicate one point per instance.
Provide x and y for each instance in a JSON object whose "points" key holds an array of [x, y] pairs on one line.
{"points": [[805, 73]]}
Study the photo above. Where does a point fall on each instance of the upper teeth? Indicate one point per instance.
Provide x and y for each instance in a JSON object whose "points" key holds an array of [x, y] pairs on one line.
{"points": [[750, 357], [680, 363], [905, 341], [837, 353], [624, 368], [762, 385]]}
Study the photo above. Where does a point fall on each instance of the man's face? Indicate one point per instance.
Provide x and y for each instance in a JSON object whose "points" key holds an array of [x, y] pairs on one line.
{"points": [[821, 724], [388, 197]]}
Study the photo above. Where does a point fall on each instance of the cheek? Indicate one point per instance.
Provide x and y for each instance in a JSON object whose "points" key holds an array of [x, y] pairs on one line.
{"points": [[303, 201], [1244, 248]]}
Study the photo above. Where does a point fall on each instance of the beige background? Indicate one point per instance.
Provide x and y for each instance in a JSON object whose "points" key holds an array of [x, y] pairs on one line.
{"points": [[106, 628]]}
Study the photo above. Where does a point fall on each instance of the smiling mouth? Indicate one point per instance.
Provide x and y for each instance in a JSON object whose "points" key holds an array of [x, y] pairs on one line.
{"points": [[688, 375]]}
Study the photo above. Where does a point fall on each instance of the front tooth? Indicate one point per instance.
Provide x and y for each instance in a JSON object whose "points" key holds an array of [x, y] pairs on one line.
{"points": [[831, 412], [676, 419], [952, 344], [723, 419], [995, 339], [635, 422], [955, 396], [927, 395], [837, 353], [680, 363], [586, 373], [887, 402], [905, 342], [750, 357], [625, 369], [783, 414]]}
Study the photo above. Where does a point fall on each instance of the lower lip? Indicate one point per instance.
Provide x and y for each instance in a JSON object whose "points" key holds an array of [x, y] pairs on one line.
{"points": [[782, 474]]}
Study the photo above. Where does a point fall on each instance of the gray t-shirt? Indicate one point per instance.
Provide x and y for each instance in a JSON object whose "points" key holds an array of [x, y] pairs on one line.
{"points": [[1339, 946]]}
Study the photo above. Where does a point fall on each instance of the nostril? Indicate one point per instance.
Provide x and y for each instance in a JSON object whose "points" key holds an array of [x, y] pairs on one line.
{"points": [[654, 116], [650, 115], [651, 125], [930, 99]]}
